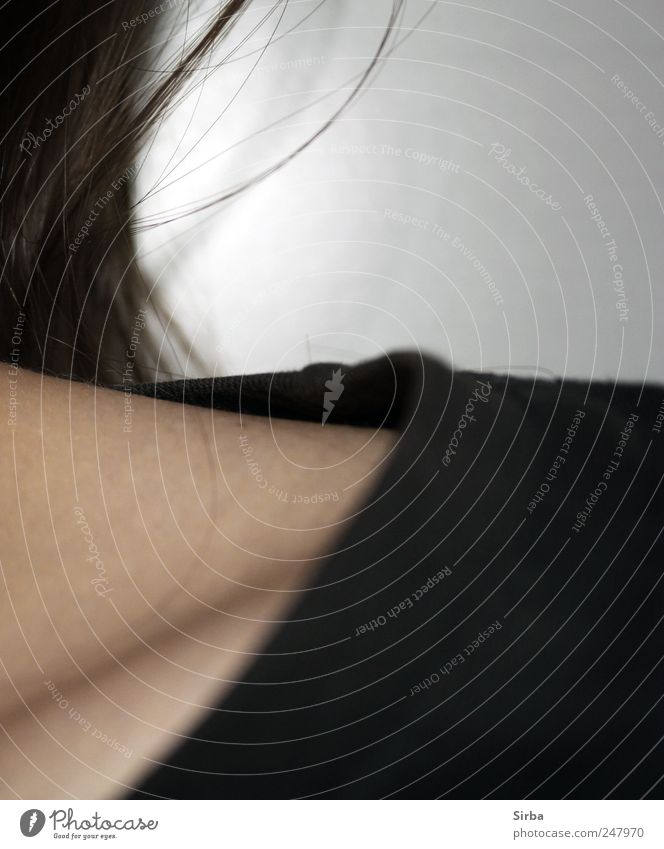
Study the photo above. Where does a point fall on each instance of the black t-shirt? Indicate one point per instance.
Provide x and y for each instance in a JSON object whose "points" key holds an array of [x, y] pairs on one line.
{"points": [[492, 622]]}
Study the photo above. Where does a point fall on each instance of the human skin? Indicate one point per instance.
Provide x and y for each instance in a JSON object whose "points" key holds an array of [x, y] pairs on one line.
{"points": [[140, 570]]}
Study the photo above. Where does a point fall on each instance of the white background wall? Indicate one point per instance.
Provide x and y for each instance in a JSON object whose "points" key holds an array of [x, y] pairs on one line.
{"points": [[322, 261]]}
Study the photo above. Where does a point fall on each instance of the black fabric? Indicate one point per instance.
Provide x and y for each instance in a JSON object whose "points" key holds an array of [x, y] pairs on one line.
{"points": [[560, 696], [370, 392]]}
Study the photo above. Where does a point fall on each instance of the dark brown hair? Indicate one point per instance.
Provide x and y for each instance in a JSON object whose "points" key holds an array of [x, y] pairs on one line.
{"points": [[81, 90]]}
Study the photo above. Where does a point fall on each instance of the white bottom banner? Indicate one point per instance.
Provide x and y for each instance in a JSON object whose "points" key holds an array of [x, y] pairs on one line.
{"points": [[334, 824]]}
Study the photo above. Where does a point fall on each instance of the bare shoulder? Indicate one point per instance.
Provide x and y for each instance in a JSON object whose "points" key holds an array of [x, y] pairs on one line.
{"points": [[144, 563]]}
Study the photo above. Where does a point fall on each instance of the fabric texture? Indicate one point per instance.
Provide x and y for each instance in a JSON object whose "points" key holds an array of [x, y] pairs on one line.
{"points": [[492, 623]]}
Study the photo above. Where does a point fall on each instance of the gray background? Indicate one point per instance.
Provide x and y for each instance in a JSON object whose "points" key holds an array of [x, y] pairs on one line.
{"points": [[340, 255]]}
